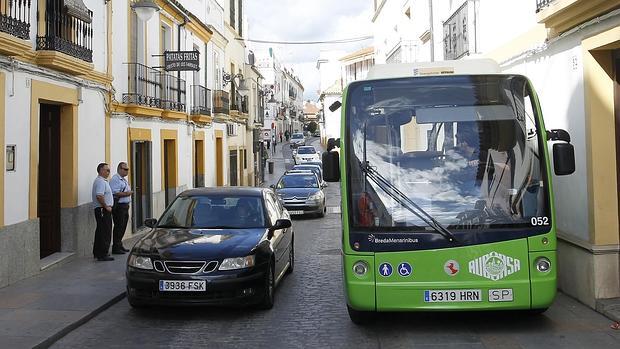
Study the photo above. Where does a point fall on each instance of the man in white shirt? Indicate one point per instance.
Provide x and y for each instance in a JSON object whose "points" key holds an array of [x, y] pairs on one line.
{"points": [[120, 211], [102, 201]]}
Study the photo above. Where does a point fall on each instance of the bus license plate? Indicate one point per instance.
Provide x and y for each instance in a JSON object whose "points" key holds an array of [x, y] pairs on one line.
{"points": [[182, 285], [452, 296]]}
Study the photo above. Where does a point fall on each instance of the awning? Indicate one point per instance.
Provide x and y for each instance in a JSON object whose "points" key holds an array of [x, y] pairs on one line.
{"points": [[77, 9]]}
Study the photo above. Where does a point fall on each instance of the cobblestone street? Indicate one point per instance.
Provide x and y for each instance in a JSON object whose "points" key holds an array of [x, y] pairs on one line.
{"points": [[310, 311]]}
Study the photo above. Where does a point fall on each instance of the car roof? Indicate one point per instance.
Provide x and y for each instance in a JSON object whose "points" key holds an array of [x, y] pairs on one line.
{"points": [[307, 146], [300, 173], [240, 191]]}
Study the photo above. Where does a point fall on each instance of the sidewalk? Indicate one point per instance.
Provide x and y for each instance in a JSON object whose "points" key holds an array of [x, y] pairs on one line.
{"points": [[38, 311]]}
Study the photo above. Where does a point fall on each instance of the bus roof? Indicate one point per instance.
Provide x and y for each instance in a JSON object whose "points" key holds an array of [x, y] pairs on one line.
{"points": [[457, 67]]}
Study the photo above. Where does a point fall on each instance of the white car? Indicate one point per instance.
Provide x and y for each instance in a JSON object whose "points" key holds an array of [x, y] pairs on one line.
{"points": [[298, 139], [307, 154]]}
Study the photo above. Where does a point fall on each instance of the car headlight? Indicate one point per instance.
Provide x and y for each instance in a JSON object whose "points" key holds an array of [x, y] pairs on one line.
{"points": [[316, 196], [140, 262], [237, 263]]}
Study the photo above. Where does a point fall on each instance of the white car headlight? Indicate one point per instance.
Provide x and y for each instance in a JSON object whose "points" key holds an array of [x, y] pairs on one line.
{"points": [[140, 262], [237, 263], [316, 196]]}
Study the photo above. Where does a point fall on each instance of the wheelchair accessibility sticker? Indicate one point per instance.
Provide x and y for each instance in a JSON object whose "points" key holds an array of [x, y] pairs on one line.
{"points": [[404, 269]]}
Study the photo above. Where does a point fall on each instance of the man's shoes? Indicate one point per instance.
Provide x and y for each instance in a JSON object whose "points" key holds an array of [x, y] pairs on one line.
{"points": [[118, 251], [105, 258]]}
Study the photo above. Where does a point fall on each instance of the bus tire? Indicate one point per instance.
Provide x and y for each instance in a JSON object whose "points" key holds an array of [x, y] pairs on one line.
{"points": [[359, 317], [535, 312]]}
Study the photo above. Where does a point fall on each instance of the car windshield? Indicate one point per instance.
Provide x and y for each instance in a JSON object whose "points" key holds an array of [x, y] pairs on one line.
{"points": [[297, 136], [214, 212], [306, 150], [465, 149], [298, 181]]}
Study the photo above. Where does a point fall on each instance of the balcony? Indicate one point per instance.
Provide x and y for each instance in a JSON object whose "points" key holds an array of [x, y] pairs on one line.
{"points": [[173, 92], [236, 102], [15, 18], [152, 88], [144, 86], [562, 15], [202, 100], [15, 27], [220, 102], [68, 31]]}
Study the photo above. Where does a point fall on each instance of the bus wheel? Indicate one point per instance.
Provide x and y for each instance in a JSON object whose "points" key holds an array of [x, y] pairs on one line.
{"points": [[535, 312], [360, 317]]}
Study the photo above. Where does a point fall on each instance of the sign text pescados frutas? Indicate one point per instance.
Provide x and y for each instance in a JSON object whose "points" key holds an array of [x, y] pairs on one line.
{"points": [[181, 60]]}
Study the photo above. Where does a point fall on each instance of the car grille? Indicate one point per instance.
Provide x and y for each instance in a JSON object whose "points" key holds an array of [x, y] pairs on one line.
{"points": [[184, 267]]}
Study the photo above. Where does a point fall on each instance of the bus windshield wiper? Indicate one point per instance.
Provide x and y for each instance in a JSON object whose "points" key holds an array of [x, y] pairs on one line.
{"points": [[406, 202]]}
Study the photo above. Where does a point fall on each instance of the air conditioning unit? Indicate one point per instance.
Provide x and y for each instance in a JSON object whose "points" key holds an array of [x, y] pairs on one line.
{"points": [[232, 129]]}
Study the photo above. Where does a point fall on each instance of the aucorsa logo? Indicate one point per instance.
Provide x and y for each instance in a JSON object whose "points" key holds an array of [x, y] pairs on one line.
{"points": [[494, 266]]}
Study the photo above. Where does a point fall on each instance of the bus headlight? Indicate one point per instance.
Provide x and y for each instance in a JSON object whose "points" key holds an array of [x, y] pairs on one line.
{"points": [[543, 264], [360, 268]]}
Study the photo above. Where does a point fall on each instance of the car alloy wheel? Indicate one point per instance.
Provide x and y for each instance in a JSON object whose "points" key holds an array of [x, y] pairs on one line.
{"points": [[268, 298], [291, 258]]}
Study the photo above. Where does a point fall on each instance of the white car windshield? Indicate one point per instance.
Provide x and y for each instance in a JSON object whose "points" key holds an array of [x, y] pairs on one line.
{"points": [[309, 150]]}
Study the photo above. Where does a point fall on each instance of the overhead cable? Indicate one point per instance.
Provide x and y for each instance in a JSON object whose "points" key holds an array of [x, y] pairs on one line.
{"points": [[336, 41]]}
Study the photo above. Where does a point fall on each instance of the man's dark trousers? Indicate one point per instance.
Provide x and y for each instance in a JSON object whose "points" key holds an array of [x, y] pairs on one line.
{"points": [[103, 233], [120, 215]]}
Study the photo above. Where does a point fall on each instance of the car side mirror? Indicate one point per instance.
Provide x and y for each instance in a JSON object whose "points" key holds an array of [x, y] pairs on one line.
{"points": [[272, 186], [280, 224], [323, 185], [150, 222], [331, 166]]}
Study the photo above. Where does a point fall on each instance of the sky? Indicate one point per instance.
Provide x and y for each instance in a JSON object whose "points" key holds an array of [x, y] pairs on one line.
{"points": [[308, 20]]}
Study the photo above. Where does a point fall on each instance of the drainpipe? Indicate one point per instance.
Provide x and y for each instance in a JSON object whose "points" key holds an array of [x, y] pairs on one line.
{"points": [[430, 18]]}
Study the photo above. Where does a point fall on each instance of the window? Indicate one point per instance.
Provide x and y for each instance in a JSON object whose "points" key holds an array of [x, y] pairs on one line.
{"points": [[137, 54], [245, 158], [216, 73]]}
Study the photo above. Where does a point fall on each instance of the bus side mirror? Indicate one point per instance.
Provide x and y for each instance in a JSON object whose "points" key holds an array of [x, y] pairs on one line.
{"points": [[563, 153], [563, 159], [331, 166]]}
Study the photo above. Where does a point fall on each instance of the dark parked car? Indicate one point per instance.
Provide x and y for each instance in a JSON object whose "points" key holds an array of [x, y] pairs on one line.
{"points": [[301, 193], [213, 246]]}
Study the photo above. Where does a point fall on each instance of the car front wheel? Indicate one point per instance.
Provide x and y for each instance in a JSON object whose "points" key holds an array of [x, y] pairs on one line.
{"points": [[269, 289]]}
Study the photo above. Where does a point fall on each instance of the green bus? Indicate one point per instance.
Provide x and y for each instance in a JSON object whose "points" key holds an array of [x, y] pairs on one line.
{"points": [[446, 190]]}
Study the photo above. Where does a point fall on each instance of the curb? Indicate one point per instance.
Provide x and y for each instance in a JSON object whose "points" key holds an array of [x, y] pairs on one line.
{"points": [[63, 332]]}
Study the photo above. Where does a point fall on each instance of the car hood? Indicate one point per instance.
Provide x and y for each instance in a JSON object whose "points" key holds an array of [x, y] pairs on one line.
{"points": [[200, 244], [300, 193]]}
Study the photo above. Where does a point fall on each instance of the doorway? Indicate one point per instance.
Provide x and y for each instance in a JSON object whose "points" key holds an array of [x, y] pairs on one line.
{"points": [[199, 164], [169, 166], [141, 183], [219, 161], [233, 168], [48, 200]]}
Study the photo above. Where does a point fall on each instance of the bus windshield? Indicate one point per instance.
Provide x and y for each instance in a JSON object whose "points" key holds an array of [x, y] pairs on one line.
{"points": [[463, 149]]}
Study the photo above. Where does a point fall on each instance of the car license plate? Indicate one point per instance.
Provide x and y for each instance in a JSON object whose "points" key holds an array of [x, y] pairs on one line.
{"points": [[452, 296], [296, 212], [182, 285]]}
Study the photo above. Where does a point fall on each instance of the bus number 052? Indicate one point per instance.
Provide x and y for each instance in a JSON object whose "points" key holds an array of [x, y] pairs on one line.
{"points": [[540, 221]]}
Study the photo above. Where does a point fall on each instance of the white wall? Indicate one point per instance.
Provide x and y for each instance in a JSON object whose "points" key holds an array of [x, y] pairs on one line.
{"points": [[91, 142], [332, 119]]}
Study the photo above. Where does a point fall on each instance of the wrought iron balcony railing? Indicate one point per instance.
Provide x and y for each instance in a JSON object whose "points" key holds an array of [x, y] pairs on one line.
{"points": [[220, 102], [541, 4], [144, 86], [173, 92], [15, 18], [245, 101], [69, 32], [235, 103], [202, 100]]}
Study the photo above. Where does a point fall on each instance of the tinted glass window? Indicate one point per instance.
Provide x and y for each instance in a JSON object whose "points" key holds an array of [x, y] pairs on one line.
{"points": [[297, 136], [215, 211], [297, 181], [306, 150]]}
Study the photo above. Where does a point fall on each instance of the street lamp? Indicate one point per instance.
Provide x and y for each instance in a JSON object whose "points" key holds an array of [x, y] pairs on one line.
{"points": [[145, 9], [242, 87]]}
